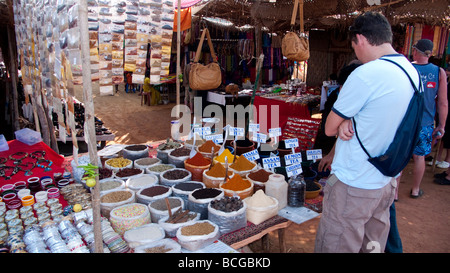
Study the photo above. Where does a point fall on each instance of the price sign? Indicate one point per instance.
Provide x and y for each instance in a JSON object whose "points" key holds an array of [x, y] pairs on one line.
{"points": [[274, 132], [203, 130], [258, 137], [252, 155], [271, 162], [253, 127], [217, 138], [295, 169], [314, 154], [237, 131], [293, 158], [291, 143]]}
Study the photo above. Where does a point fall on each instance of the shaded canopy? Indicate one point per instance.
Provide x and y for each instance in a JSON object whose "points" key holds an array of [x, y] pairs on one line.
{"points": [[324, 13]]}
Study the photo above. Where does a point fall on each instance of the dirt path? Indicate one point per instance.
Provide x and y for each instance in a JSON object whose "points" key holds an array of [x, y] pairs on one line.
{"points": [[423, 223]]}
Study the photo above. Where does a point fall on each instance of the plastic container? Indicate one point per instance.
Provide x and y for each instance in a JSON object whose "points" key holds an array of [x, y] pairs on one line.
{"points": [[259, 214], [129, 216], [296, 191], [258, 185], [3, 144], [28, 136], [196, 242], [169, 244], [277, 187], [144, 234]]}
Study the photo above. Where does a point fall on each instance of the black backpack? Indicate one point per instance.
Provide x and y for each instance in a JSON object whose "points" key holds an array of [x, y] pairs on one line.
{"points": [[399, 152]]}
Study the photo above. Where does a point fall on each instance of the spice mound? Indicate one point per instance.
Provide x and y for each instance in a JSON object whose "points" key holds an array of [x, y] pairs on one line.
{"points": [[236, 184], [128, 172], [158, 249], [227, 204], [160, 204], [146, 161], [198, 140], [175, 174], [160, 168], [218, 170], [225, 154], [202, 228], [115, 196], [188, 186], [104, 173], [260, 175], [149, 232], [142, 181], [109, 185], [206, 147], [136, 147], [206, 193], [118, 162], [242, 164], [154, 191], [259, 199], [180, 152], [169, 145], [198, 160]]}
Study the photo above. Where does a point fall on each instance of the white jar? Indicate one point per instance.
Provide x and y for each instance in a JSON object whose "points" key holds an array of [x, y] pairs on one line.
{"points": [[277, 187]]}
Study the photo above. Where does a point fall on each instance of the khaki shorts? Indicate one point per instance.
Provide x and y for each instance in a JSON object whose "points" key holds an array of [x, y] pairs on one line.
{"points": [[354, 220]]}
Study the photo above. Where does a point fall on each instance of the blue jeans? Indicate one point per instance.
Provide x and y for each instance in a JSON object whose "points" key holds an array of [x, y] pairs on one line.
{"points": [[394, 242]]}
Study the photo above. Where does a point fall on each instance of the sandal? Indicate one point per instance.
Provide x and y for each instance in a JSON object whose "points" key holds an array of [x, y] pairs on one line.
{"points": [[416, 196]]}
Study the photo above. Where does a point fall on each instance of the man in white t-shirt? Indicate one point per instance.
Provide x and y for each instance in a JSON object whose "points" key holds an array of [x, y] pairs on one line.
{"points": [[357, 196]]}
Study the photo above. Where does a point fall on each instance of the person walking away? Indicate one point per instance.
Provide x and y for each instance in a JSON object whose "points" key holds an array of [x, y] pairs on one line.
{"points": [[357, 196], [444, 177], [434, 81]]}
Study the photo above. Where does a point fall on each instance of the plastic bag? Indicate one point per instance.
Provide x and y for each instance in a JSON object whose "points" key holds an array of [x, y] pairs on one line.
{"points": [[170, 182], [157, 214], [201, 205], [144, 234], [171, 228], [106, 180], [166, 243], [195, 242], [228, 221], [106, 208], [142, 181], [144, 199], [129, 216]]}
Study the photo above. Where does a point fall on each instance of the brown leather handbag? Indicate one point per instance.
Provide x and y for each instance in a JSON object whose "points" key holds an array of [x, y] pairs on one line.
{"points": [[205, 77], [294, 46]]}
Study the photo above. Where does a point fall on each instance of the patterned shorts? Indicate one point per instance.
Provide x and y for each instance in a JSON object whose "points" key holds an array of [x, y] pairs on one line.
{"points": [[423, 147]]}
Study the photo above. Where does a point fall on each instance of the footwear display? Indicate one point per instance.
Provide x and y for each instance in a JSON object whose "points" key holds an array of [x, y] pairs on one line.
{"points": [[443, 165], [442, 181], [416, 196]]}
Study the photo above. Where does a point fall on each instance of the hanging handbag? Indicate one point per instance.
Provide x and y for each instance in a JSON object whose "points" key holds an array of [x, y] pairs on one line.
{"points": [[205, 77], [295, 47]]}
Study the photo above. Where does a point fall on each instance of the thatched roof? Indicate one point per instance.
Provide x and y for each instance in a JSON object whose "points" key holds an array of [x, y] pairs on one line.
{"points": [[324, 13]]}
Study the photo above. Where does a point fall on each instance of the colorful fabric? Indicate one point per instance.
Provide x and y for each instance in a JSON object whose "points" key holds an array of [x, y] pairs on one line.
{"points": [[423, 147]]}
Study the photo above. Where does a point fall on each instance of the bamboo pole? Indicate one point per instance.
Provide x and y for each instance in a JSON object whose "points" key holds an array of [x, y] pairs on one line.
{"points": [[178, 57], [89, 121]]}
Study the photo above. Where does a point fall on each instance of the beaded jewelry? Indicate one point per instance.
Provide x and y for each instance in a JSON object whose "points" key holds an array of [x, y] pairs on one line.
{"points": [[3, 171], [11, 157], [46, 168], [36, 154]]}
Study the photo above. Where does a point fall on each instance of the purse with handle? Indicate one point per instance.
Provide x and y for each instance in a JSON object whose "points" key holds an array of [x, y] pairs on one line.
{"points": [[205, 77], [295, 47]]}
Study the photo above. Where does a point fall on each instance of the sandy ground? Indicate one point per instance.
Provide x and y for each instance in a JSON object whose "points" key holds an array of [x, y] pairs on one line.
{"points": [[423, 223]]}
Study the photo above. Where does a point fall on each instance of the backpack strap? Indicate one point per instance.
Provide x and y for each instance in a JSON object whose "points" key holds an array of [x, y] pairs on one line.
{"points": [[415, 90]]}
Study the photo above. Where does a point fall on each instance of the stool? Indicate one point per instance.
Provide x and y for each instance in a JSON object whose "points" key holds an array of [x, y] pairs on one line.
{"points": [[146, 98]]}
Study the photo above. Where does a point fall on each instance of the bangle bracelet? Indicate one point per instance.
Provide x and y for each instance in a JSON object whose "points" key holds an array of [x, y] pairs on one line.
{"points": [[38, 154], [18, 154]]}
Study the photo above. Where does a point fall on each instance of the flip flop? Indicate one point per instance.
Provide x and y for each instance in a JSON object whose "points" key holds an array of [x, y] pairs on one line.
{"points": [[416, 196]]}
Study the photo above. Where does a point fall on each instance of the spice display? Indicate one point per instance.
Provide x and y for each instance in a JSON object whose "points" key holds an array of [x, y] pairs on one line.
{"points": [[198, 160], [115, 196], [259, 199], [175, 174], [227, 204], [118, 162], [160, 168], [161, 204], [225, 154], [169, 145], [109, 185], [260, 175], [181, 216], [180, 152], [188, 186], [136, 147], [218, 170], [206, 147], [206, 193], [154, 191], [242, 164], [236, 183], [147, 161], [128, 172], [104, 173], [129, 216], [202, 228], [142, 181]]}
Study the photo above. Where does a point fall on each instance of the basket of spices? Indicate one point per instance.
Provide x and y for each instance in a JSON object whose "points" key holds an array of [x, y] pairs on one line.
{"points": [[178, 156], [134, 152], [229, 213], [183, 189], [145, 162], [129, 216], [144, 234], [109, 184], [160, 208], [161, 246], [260, 207], [115, 198], [199, 199], [197, 165], [180, 218], [242, 166], [237, 186], [128, 173], [164, 149], [118, 163], [216, 175], [198, 235], [205, 148], [174, 176], [158, 169], [143, 181], [152, 193], [259, 178]]}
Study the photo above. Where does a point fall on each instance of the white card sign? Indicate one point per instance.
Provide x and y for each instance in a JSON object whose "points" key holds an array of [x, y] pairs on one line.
{"points": [[237, 131], [274, 132], [253, 127], [252, 155], [217, 138], [258, 137], [291, 143], [271, 162], [203, 130], [295, 169], [314, 154], [293, 158]]}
